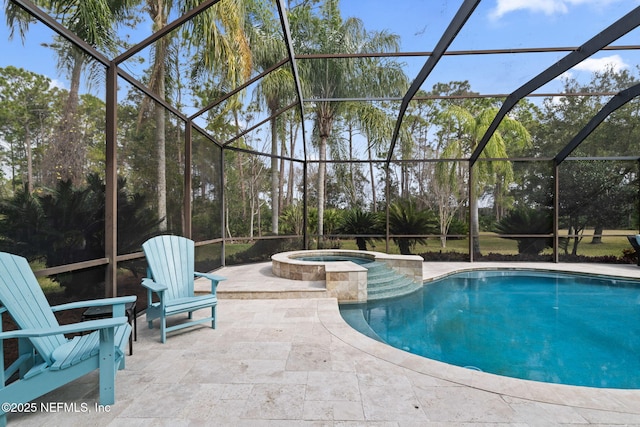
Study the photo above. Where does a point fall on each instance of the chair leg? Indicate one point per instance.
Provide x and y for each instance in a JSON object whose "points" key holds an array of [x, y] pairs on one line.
{"points": [[163, 329], [190, 315], [107, 367], [213, 315]]}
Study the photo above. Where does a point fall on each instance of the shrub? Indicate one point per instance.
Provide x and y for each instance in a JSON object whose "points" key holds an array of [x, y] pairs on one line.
{"points": [[405, 219], [66, 226], [528, 221], [359, 223], [263, 249]]}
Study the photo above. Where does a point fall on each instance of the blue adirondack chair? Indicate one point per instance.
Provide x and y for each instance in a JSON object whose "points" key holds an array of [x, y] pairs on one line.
{"points": [[46, 358], [171, 273]]}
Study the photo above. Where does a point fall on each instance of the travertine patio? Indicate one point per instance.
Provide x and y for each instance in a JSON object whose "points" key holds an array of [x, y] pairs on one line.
{"points": [[282, 355]]}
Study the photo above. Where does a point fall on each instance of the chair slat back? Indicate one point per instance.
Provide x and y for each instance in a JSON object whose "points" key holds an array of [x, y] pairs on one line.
{"points": [[23, 298], [171, 261]]}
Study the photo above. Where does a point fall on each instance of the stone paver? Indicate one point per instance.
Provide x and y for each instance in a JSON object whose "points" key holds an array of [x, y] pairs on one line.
{"points": [[295, 362]]}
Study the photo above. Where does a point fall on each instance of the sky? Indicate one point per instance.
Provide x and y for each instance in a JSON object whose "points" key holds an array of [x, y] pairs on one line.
{"points": [[495, 24], [499, 24]]}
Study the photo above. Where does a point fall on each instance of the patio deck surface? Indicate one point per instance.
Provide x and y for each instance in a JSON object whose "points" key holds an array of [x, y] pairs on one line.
{"points": [[282, 356]]}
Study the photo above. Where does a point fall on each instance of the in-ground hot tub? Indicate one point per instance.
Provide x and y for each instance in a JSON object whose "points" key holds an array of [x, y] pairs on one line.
{"points": [[311, 264], [345, 278]]}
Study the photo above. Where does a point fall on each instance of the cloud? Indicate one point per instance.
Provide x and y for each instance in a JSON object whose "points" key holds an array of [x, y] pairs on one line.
{"points": [[613, 62], [57, 84], [594, 65], [548, 7]]}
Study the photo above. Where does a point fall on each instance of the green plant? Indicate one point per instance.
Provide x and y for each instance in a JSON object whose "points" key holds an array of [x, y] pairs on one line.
{"points": [[527, 221], [262, 250], [66, 226], [360, 224], [457, 227], [406, 220], [292, 220]]}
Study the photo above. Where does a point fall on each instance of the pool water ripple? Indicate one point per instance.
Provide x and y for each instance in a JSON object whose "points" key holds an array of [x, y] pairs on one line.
{"points": [[550, 327]]}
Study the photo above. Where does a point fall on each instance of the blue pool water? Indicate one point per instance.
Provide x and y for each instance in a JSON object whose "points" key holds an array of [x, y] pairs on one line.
{"points": [[332, 258], [558, 328]]}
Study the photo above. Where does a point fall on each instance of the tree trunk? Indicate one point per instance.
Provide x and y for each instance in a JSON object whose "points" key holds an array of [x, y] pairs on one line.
{"points": [[157, 12], [325, 123], [474, 217], [352, 181], [274, 177], [27, 147], [577, 231], [259, 215], [475, 225], [404, 192], [444, 224], [322, 156], [161, 184], [574, 250], [292, 142], [374, 204], [65, 157], [240, 165], [597, 235], [252, 209], [404, 246], [281, 174]]}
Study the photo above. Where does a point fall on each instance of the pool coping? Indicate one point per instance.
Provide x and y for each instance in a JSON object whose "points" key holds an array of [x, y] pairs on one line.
{"points": [[624, 400], [344, 280], [559, 394], [256, 281]]}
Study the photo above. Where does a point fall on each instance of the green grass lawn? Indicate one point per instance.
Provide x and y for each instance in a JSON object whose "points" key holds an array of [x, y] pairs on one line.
{"points": [[236, 247], [613, 244]]}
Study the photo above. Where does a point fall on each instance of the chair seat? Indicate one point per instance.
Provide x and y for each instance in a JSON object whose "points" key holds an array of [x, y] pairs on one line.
{"points": [[47, 358], [170, 276], [182, 305], [83, 347]]}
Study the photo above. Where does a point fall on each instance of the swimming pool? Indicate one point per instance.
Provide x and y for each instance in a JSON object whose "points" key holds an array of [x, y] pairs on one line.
{"points": [[334, 258], [550, 327]]}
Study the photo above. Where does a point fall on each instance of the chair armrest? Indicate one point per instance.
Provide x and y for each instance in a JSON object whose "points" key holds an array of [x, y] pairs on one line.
{"points": [[94, 303], [153, 286], [90, 325], [212, 277], [214, 280]]}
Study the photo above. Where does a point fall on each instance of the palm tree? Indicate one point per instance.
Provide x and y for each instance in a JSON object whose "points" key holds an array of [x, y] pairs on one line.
{"points": [[528, 221], [360, 224], [377, 126], [275, 92], [94, 21], [217, 37], [468, 128], [380, 76], [333, 78], [406, 220]]}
